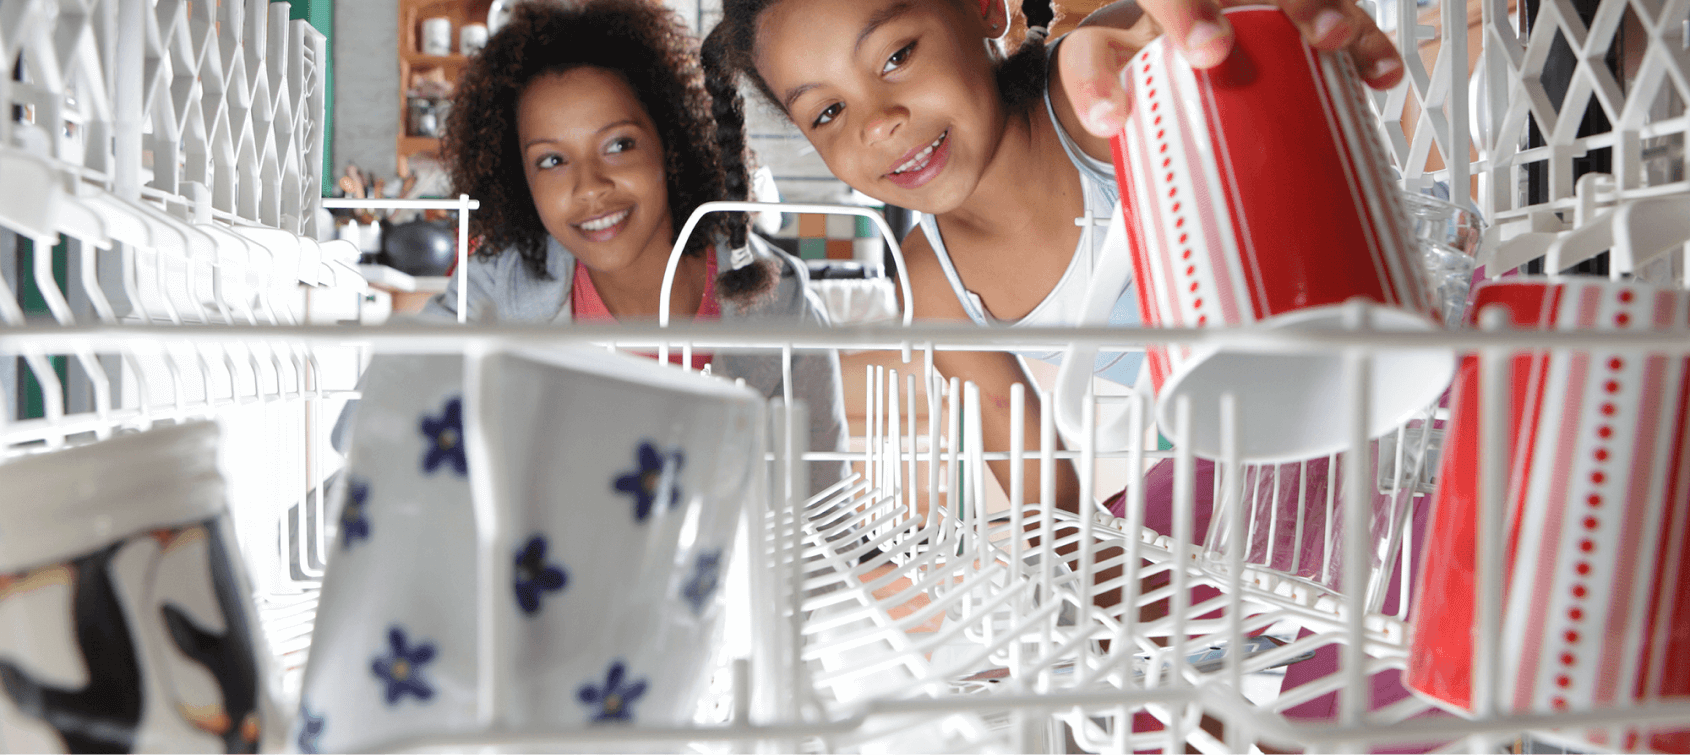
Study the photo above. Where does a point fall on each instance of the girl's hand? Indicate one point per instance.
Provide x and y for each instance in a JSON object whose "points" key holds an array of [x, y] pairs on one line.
{"points": [[1090, 60]]}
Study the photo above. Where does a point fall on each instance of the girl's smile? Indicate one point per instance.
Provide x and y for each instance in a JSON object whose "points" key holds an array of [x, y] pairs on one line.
{"points": [[921, 167]]}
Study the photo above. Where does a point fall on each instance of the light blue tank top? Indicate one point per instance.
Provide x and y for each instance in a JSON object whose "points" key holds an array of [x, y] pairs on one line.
{"points": [[1062, 306]]}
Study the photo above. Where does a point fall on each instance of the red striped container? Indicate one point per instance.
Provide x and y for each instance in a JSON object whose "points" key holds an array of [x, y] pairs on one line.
{"points": [[1596, 593], [1257, 193]]}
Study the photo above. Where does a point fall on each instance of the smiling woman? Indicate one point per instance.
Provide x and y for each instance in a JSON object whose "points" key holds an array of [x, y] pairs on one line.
{"points": [[594, 165], [585, 131]]}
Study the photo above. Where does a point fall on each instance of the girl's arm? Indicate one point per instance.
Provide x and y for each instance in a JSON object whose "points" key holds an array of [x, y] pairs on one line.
{"points": [[994, 372], [1087, 66]]}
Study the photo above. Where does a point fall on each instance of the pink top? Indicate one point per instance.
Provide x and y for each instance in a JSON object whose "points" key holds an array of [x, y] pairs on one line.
{"points": [[588, 306]]}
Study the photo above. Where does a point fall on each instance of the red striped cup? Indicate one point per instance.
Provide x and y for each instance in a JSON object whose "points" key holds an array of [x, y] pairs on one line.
{"points": [[1257, 193], [1596, 589]]}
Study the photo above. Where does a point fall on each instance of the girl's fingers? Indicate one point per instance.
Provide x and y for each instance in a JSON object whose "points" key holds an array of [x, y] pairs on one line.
{"points": [[1377, 58], [1326, 24], [1090, 74], [1199, 30], [1196, 27], [1340, 24]]}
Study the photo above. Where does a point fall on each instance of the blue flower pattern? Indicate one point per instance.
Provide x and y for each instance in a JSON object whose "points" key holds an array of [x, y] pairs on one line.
{"points": [[706, 577], [401, 669], [615, 700], [310, 730], [645, 482], [354, 519], [535, 577], [445, 435]]}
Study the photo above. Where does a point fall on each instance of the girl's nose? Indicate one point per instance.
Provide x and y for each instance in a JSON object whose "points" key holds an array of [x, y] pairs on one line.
{"points": [[885, 124]]}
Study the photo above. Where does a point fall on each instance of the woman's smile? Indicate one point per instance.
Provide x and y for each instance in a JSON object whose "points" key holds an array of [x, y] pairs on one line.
{"points": [[604, 227]]}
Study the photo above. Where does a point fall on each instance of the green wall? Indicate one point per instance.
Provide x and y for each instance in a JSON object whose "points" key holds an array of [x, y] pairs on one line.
{"points": [[320, 14]]}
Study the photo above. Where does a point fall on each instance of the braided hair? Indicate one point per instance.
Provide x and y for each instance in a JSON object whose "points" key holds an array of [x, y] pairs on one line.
{"points": [[649, 47], [728, 51]]}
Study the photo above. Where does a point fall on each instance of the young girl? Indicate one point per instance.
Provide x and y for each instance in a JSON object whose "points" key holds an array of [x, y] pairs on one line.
{"points": [[909, 102], [585, 131]]}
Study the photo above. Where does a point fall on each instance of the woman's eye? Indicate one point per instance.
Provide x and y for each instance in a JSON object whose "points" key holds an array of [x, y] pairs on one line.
{"points": [[898, 58], [827, 115], [548, 161], [620, 145]]}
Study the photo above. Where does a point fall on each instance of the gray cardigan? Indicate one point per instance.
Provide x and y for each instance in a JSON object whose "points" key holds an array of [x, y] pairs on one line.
{"points": [[501, 289]]}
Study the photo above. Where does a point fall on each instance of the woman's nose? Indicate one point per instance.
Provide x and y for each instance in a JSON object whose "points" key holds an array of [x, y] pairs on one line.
{"points": [[595, 181]]}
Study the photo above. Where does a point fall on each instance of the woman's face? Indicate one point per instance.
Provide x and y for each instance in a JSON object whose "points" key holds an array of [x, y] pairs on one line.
{"points": [[897, 96], [594, 165]]}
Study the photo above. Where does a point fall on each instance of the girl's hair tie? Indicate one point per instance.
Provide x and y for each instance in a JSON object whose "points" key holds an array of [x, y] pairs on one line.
{"points": [[741, 257]]}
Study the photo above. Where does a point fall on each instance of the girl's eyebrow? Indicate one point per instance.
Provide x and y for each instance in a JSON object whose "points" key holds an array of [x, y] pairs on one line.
{"points": [[880, 18], [602, 129]]}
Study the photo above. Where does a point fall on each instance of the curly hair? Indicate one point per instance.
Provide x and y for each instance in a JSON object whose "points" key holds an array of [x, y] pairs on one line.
{"points": [[650, 48]]}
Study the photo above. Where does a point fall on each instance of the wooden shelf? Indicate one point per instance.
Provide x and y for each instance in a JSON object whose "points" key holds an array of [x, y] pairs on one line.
{"points": [[419, 60], [413, 61], [413, 144]]}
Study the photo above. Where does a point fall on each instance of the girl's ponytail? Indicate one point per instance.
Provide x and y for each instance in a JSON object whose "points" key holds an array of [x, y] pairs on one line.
{"points": [[747, 275], [1022, 76], [1040, 15]]}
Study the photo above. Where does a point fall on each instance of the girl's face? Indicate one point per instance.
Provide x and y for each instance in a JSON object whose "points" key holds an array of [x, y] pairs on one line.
{"points": [[595, 168], [897, 96]]}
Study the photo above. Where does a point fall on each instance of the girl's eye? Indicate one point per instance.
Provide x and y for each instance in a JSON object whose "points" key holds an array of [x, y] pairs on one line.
{"points": [[898, 58], [548, 161], [828, 115], [620, 145]]}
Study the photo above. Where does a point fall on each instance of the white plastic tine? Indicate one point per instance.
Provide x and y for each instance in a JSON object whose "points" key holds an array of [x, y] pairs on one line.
{"points": [[31, 192], [1495, 367], [685, 235], [974, 498], [78, 219], [1086, 508], [1047, 530], [953, 467], [1236, 549], [935, 388], [1134, 528], [1329, 546], [895, 443], [45, 284], [1273, 517], [910, 491], [1302, 515], [91, 280], [1185, 472], [1353, 701], [1647, 228], [148, 274], [56, 303], [1017, 508], [52, 396]]}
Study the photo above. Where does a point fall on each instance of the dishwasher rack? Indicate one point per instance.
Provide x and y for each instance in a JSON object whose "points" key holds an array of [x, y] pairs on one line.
{"points": [[185, 284]]}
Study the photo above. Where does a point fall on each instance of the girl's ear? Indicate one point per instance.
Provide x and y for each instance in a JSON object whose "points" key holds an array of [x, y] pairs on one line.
{"points": [[996, 14]]}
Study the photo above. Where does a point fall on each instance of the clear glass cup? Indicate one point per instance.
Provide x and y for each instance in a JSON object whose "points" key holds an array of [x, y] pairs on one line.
{"points": [[1449, 235]]}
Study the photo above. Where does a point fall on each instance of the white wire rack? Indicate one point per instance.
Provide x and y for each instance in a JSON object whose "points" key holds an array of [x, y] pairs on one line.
{"points": [[904, 608]]}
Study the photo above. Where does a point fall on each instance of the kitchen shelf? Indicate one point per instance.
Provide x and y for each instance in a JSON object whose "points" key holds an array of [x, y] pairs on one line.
{"points": [[412, 61]]}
